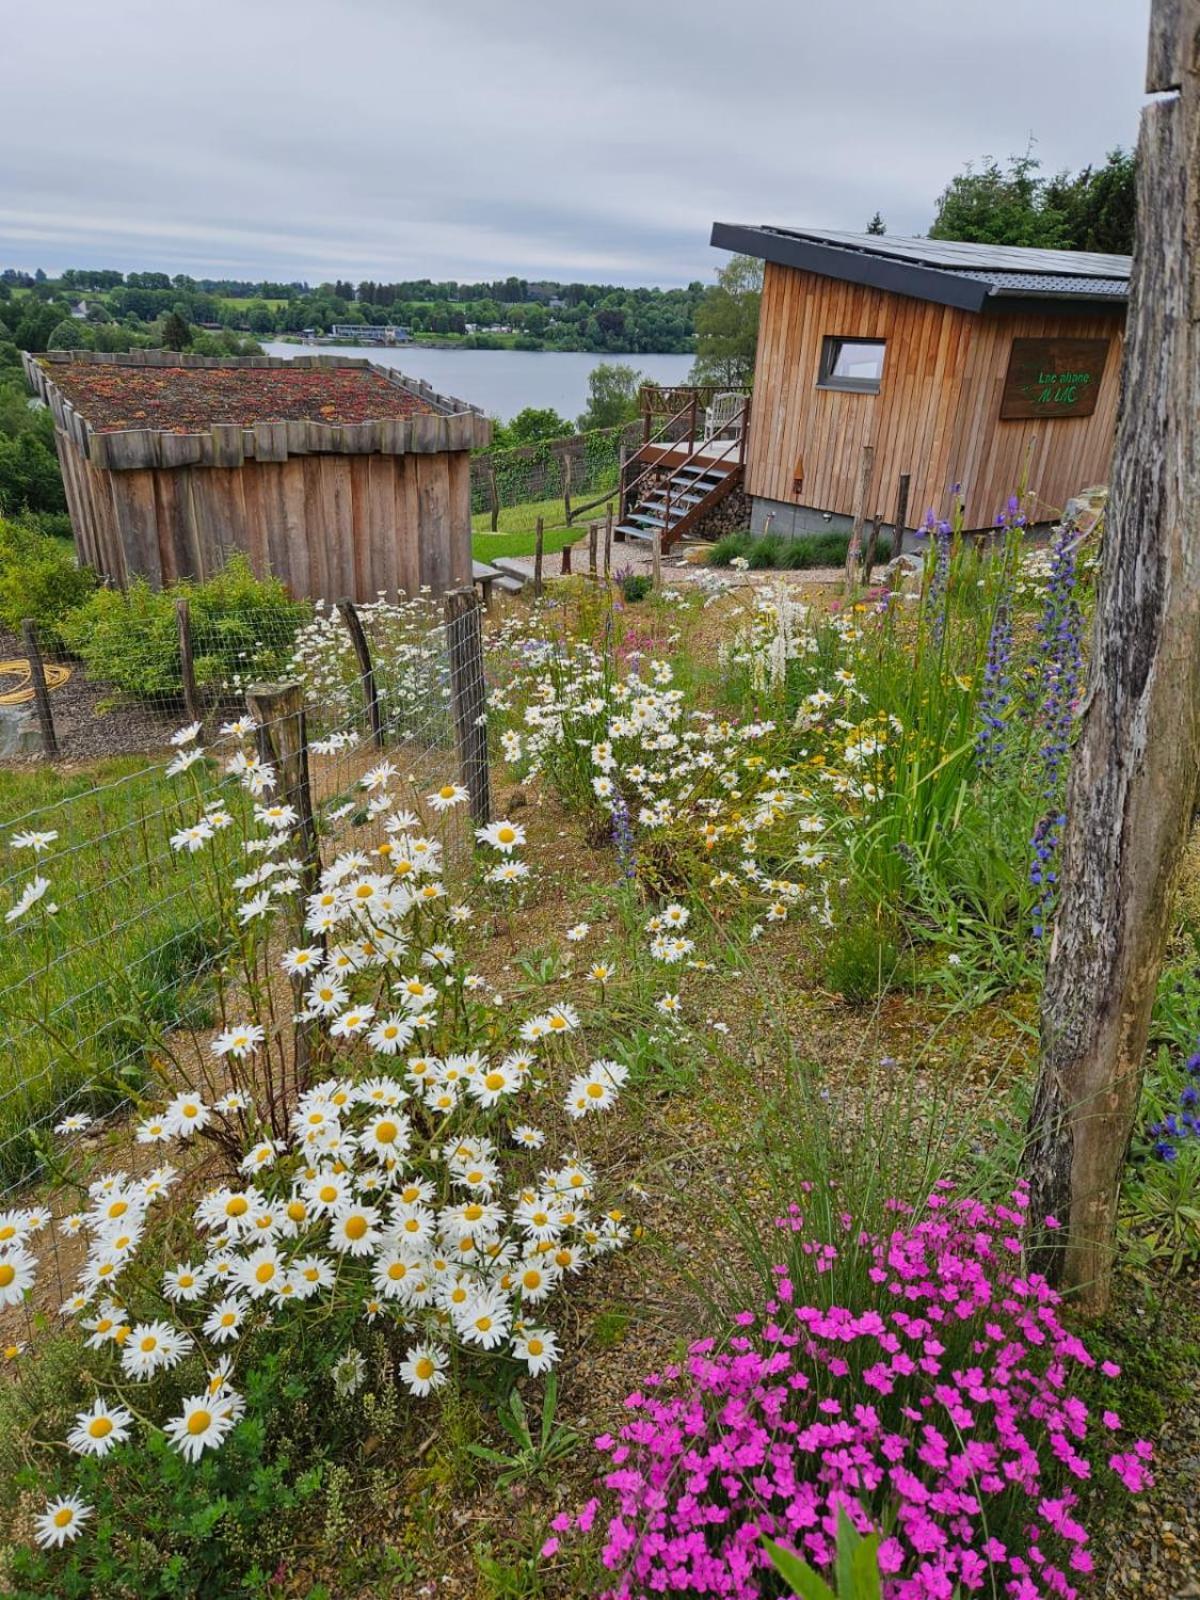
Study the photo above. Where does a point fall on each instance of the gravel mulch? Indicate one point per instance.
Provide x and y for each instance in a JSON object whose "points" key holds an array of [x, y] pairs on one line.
{"points": [[89, 720]]}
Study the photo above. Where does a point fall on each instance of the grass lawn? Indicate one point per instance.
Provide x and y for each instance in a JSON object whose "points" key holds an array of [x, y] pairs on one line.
{"points": [[517, 535], [80, 993]]}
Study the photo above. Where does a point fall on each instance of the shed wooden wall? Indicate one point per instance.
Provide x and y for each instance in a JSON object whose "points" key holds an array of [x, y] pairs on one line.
{"points": [[328, 525], [937, 415]]}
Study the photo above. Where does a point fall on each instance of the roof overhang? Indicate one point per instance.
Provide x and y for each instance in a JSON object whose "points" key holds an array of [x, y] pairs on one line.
{"points": [[851, 266]]}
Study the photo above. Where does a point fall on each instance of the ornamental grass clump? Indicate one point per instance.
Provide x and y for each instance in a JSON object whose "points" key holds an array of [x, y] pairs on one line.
{"points": [[945, 1416]]}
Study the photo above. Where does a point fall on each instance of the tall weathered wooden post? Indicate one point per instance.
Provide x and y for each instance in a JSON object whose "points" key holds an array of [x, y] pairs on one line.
{"points": [[1133, 783]]}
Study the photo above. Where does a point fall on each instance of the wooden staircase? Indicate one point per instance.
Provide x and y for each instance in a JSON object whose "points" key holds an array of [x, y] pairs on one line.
{"points": [[679, 484]]}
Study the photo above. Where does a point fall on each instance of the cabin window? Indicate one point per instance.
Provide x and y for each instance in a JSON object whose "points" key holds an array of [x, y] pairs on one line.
{"points": [[855, 364]]}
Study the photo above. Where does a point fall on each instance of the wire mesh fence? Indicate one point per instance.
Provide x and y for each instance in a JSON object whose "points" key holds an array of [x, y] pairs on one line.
{"points": [[120, 884], [575, 469]]}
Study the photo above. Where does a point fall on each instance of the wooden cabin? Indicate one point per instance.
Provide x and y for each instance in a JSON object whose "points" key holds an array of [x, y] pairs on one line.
{"points": [[341, 477], [979, 366]]}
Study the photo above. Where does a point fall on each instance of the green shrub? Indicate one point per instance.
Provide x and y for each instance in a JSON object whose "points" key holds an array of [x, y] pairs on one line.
{"points": [[161, 1526], [242, 628], [635, 586], [728, 549], [40, 579], [797, 554]]}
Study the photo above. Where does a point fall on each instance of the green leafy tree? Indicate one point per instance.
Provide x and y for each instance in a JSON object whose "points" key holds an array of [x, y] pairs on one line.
{"points": [[999, 205], [612, 396], [1098, 204], [1090, 210], [69, 334], [727, 325], [535, 423], [176, 334]]}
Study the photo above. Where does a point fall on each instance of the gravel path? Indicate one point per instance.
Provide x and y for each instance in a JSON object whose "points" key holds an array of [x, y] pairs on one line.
{"points": [[686, 565]]}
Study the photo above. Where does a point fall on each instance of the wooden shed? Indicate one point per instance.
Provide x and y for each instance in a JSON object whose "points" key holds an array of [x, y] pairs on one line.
{"points": [[339, 476], [961, 364]]}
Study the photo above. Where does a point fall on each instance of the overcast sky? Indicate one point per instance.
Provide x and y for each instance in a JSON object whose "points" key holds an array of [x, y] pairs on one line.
{"points": [[455, 139]]}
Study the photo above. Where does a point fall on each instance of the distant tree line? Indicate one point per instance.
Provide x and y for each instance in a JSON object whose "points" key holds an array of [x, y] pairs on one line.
{"points": [[541, 315]]}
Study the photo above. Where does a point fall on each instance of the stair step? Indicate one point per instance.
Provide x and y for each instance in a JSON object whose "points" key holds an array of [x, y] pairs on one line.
{"points": [[631, 532], [510, 567], [717, 474], [676, 500], [657, 523], [510, 585]]}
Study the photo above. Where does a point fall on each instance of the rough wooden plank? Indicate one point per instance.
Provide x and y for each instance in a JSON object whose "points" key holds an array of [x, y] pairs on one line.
{"points": [[227, 445], [179, 449], [459, 524], [270, 441], [408, 512], [1168, 42], [433, 520]]}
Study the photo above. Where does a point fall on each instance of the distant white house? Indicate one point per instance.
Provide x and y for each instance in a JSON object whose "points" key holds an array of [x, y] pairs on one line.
{"points": [[80, 310]]}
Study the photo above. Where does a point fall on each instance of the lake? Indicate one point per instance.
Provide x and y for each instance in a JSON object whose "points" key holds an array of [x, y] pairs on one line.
{"points": [[501, 382]]}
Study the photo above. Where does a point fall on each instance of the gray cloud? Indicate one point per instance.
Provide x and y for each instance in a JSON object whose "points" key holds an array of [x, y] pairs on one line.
{"points": [[387, 139]]}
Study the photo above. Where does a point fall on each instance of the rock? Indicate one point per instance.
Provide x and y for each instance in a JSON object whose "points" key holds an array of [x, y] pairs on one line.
{"points": [[904, 571], [18, 732], [516, 800], [1086, 508]]}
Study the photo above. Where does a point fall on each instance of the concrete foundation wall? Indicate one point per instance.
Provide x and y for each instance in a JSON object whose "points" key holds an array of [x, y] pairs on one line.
{"points": [[795, 522]]}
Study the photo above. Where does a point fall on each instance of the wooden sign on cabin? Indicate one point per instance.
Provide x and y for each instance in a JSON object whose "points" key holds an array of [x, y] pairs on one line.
{"points": [[1053, 378]]}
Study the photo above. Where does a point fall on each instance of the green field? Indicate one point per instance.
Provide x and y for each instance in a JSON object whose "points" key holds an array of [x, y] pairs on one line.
{"points": [[517, 536]]}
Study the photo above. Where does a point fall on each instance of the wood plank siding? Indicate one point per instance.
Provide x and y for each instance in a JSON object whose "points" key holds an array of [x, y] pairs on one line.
{"points": [[937, 413], [334, 508], [328, 525]]}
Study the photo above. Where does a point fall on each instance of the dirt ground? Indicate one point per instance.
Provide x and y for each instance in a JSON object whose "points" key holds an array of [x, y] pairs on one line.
{"points": [[89, 723]]}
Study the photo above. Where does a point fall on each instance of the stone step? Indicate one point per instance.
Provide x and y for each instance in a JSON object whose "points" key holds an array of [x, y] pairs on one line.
{"points": [[511, 568]]}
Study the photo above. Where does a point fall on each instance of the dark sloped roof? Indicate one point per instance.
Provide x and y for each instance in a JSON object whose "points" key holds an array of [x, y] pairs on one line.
{"points": [[948, 271]]}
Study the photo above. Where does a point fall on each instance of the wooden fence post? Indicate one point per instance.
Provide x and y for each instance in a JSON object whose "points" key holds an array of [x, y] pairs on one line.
{"points": [[656, 560], [366, 670], [278, 708], [566, 559], [872, 546], [608, 533], [901, 521], [493, 496], [539, 547], [593, 535], [187, 665], [566, 480], [468, 693], [41, 695], [854, 548]]}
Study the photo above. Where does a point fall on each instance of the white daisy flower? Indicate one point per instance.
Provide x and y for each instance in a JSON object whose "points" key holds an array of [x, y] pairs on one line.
{"points": [[99, 1430], [62, 1520]]}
